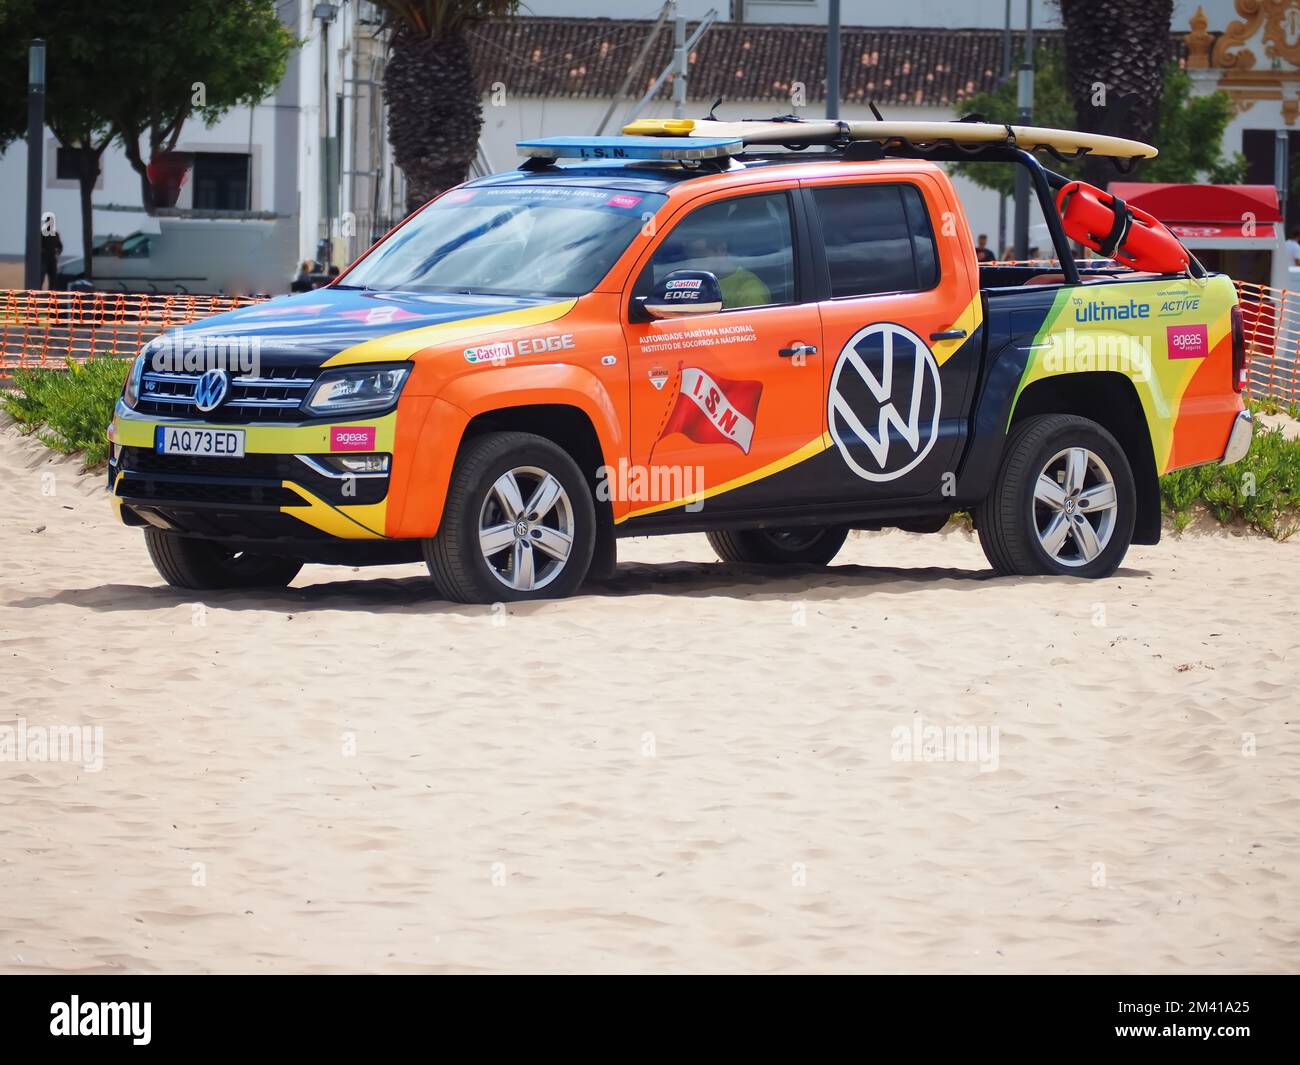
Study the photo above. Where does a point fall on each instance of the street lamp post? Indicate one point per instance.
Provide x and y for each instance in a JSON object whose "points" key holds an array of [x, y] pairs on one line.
{"points": [[833, 60], [1025, 101], [35, 159]]}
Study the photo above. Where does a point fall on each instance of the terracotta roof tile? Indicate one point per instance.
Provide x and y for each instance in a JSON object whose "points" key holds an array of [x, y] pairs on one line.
{"points": [[585, 58]]}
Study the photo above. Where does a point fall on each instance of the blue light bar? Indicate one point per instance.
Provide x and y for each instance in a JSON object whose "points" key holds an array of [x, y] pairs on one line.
{"points": [[665, 148]]}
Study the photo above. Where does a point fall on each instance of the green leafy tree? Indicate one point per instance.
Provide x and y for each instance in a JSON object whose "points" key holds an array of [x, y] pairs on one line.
{"points": [[1188, 129], [83, 73], [14, 22], [1189, 132], [130, 71], [434, 117], [202, 58]]}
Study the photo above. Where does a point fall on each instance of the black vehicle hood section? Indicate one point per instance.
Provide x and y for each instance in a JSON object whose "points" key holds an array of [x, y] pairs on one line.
{"points": [[311, 327]]}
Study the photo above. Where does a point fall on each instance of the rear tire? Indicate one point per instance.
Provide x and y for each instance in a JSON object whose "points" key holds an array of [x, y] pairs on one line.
{"points": [[1064, 502], [811, 546], [516, 502], [206, 565]]}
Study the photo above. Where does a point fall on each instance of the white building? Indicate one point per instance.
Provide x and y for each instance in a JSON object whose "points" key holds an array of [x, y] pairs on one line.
{"points": [[313, 156]]}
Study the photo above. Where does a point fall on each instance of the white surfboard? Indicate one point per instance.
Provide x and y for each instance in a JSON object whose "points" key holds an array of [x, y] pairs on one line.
{"points": [[825, 131]]}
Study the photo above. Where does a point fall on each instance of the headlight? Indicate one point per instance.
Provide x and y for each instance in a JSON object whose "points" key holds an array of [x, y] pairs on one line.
{"points": [[131, 390], [354, 391]]}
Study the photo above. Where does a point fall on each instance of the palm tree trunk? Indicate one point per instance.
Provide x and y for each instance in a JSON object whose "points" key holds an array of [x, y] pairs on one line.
{"points": [[1115, 56], [434, 117]]}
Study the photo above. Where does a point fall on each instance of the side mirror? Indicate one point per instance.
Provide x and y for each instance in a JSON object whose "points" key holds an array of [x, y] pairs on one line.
{"points": [[683, 293]]}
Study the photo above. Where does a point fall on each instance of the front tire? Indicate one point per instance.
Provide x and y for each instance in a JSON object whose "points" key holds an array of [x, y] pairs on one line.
{"points": [[519, 523], [207, 565], [811, 546], [1064, 502]]}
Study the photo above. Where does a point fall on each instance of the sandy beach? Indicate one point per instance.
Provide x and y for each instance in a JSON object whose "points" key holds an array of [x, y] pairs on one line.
{"points": [[694, 767]]}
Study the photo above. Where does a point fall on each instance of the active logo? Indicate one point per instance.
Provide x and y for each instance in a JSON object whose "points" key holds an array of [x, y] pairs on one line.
{"points": [[884, 403]]}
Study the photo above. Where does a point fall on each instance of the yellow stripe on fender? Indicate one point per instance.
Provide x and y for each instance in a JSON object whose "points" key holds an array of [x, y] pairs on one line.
{"points": [[969, 320], [355, 524], [813, 447], [396, 347], [113, 498]]}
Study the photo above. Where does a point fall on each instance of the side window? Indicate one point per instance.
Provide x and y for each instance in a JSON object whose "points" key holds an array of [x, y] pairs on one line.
{"points": [[747, 243], [878, 239]]}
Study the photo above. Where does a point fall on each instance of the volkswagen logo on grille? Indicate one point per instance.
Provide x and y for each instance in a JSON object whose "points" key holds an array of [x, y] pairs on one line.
{"points": [[884, 402], [211, 390]]}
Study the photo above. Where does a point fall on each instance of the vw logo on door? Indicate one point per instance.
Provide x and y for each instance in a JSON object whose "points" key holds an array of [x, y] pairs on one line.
{"points": [[885, 395], [211, 390]]}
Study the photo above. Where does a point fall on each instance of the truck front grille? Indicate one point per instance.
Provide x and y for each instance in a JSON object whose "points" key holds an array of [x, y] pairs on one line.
{"points": [[275, 395]]}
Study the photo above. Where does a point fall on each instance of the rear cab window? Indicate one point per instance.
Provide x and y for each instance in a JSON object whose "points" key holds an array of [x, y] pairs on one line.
{"points": [[878, 238]]}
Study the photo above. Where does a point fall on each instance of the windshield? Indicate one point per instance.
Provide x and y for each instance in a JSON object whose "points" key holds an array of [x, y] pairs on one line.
{"points": [[544, 240]]}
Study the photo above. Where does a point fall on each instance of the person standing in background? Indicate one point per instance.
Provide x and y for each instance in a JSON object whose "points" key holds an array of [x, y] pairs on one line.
{"points": [[1293, 247], [51, 249], [983, 253]]}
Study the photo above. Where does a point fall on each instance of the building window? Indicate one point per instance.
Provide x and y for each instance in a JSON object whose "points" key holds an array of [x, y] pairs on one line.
{"points": [[67, 164], [220, 181]]}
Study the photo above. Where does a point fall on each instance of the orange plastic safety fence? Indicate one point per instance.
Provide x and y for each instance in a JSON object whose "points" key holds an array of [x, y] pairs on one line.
{"points": [[1271, 320], [47, 329]]}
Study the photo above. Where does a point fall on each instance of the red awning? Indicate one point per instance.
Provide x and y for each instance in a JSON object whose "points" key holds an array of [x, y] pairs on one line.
{"points": [[1213, 205]]}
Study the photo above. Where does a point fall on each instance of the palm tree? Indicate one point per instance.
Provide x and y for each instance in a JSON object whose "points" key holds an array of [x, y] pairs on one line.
{"points": [[434, 116], [1116, 52]]}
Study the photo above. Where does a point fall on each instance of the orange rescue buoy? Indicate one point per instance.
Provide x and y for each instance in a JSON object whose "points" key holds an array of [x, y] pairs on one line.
{"points": [[1112, 228]]}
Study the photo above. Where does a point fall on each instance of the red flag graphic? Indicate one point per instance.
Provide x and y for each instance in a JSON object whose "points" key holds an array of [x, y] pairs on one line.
{"points": [[712, 409]]}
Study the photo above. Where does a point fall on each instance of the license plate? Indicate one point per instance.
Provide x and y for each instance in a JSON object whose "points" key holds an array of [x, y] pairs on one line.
{"points": [[209, 443]]}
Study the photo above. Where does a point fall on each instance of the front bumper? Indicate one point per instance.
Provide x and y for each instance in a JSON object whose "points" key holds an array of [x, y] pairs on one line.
{"points": [[1243, 428], [284, 488]]}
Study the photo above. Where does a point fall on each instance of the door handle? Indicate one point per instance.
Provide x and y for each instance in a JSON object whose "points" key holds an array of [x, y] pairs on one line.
{"points": [[798, 349], [949, 334]]}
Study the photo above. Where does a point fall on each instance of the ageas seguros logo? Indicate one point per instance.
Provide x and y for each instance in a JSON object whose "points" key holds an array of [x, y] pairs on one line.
{"points": [[885, 396]]}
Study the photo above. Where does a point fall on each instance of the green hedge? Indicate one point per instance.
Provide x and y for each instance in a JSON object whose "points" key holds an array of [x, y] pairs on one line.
{"points": [[1261, 491], [69, 410]]}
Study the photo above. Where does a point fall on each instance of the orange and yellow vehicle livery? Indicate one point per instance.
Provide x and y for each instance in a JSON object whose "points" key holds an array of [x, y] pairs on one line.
{"points": [[773, 349]]}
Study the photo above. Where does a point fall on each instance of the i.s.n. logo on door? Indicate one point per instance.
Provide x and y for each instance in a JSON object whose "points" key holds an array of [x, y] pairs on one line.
{"points": [[884, 399]]}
